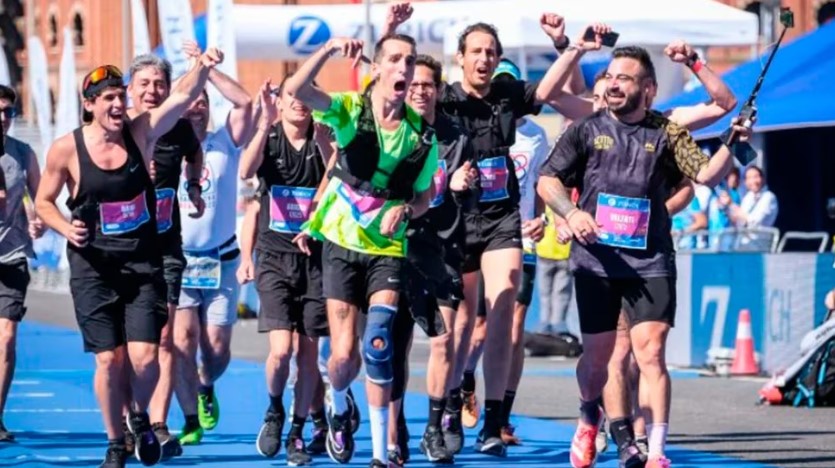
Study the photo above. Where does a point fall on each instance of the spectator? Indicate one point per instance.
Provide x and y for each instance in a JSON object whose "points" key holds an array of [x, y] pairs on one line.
{"points": [[758, 209], [554, 278]]}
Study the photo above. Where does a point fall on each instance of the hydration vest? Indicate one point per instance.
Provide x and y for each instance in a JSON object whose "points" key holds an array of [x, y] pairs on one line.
{"points": [[359, 160]]}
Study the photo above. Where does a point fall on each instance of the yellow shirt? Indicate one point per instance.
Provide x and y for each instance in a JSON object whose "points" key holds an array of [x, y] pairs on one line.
{"points": [[549, 247]]}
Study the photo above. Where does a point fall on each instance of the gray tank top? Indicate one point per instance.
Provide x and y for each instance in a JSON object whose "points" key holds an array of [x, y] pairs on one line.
{"points": [[15, 243]]}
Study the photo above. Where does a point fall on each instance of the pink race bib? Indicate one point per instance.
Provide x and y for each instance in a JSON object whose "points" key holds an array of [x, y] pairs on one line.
{"points": [[123, 217], [290, 207]]}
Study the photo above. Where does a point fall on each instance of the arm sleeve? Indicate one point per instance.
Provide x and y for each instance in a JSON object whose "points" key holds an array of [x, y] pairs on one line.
{"points": [[425, 178], [568, 157], [688, 157]]}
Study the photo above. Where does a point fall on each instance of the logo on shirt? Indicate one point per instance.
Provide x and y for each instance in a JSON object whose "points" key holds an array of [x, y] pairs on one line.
{"points": [[649, 147], [603, 142]]}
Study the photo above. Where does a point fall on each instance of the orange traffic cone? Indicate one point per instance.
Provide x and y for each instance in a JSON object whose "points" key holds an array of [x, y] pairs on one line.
{"points": [[744, 360]]}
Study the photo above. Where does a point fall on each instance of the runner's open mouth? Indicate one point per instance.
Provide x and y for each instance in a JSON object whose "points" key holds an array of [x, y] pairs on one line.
{"points": [[400, 85]]}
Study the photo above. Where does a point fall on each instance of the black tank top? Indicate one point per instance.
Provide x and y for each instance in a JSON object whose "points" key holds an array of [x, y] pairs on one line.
{"points": [[118, 206], [288, 181]]}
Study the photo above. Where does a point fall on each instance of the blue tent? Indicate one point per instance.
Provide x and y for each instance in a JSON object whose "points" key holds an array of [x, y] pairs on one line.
{"points": [[797, 91]]}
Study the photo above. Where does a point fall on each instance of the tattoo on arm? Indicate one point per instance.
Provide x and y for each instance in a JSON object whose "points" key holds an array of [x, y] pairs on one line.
{"points": [[557, 197]]}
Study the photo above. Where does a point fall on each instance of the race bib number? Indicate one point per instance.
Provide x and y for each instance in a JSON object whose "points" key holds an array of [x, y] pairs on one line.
{"points": [[123, 217], [624, 221], [290, 207], [364, 208], [493, 173], [440, 184], [202, 269], [165, 209]]}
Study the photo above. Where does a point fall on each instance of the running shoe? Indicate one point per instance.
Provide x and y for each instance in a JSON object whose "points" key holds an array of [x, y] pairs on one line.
{"points": [[601, 442], [340, 441], [395, 456], [631, 457], [148, 449], [191, 435], [116, 457], [208, 410], [583, 449], [643, 445], [490, 445], [170, 445], [318, 441], [130, 440], [659, 462], [453, 432], [5, 435], [432, 445], [356, 416], [470, 410], [509, 436], [296, 453], [403, 437], [268, 442]]}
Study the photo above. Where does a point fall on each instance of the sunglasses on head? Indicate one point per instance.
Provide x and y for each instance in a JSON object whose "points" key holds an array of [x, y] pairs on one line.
{"points": [[105, 74]]}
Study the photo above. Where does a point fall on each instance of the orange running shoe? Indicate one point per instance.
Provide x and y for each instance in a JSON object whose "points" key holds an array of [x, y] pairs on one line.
{"points": [[658, 462], [509, 437], [583, 448], [470, 410]]}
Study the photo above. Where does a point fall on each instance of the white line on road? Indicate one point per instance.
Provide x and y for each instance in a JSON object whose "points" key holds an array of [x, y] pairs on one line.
{"points": [[53, 410], [32, 395], [26, 382]]}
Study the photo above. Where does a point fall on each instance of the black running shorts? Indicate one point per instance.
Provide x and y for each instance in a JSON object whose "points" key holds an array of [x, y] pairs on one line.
{"points": [[352, 277], [117, 309], [600, 300], [173, 264], [14, 280], [485, 233], [290, 290]]}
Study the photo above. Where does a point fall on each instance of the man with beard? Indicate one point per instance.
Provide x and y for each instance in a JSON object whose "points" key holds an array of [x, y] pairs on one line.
{"points": [[488, 112], [209, 296], [115, 260], [382, 178], [148, 88], [624, 161], [289, 156], [433, 274]]}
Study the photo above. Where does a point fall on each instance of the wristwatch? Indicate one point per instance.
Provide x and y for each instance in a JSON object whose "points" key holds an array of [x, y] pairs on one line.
{"points": [[562, 45], [407, 212], [193, 183], [544, 219]]}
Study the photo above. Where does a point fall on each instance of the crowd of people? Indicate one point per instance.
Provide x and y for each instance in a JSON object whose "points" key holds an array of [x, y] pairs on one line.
{"points": [[411, 201]]}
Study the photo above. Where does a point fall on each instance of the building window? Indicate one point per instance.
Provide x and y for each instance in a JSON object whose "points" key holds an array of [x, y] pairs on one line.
{"points": [[826, 13], [78, 29], [53, 30]]}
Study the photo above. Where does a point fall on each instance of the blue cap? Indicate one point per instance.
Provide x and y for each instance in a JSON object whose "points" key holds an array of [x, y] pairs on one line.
{"points": [[509, 68]]}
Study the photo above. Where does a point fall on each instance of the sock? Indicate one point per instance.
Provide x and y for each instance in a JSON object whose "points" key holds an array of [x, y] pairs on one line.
{"points": [[318, 418], [468, 384], [192, 421], [119, 441], [622, 432], [642, 438], [454, 402], [296, 427], [436, 411], [276, 405], [209, 391], [590, 411], [379, 419], [492, 417], [507, 406], [657, 438], [339, 400]]}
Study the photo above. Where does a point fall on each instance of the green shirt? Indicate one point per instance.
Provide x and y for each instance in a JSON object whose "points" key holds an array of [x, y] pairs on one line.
{"points": [[342, 217]]}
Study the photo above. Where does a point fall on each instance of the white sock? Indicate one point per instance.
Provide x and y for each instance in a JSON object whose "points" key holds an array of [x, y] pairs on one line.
{"points": [[379, 419], [339, 399], [657, 439]]}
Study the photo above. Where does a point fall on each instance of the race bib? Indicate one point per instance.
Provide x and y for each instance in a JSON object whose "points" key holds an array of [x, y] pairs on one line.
{"points": [[364, 208], [528, 255], [202, 269], [165, 209], [493, 172], [123, 217], [440, 184], [624, 221], [290, 207]]}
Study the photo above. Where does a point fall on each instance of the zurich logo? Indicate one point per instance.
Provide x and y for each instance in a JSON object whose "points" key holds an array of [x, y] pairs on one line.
{"points": [[307, 33]]}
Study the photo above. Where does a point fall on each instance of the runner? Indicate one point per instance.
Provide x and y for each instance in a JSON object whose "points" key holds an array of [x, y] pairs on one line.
{"points": [[388, 156], [149, 87], [488, 111], [209, 297], [115, 262], [433, 285], [290, 167], [18, 226], [621, 388], [528, 152], [634, 265]]}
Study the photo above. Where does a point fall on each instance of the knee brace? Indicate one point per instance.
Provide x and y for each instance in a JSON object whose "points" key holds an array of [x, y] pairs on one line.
{"points": [[378, 367]]}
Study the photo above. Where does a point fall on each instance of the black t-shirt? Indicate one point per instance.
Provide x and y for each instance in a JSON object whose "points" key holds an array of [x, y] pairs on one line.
{"points": [[288, 181], [491, 125], [443, 223], [624, 173], [180, 142]]}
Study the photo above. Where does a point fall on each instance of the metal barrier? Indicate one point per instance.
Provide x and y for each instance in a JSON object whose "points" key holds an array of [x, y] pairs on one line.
{"points": [[759, 240], [822, 236]]}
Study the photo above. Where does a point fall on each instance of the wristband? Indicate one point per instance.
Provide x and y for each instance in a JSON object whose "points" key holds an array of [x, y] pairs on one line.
{"points": [[694, 63], [561, 46], [544, 219], [195, 182], [696, 66]]}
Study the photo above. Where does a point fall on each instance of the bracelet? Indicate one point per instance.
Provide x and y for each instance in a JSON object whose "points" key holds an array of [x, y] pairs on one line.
{"points": [[694, 63], [561, 46], [544, 218], [194, 182], [571, 213]]}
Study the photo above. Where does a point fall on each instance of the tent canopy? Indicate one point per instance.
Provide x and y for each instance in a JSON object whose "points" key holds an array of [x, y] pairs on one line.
{"points": [[797, 91], [639, 22]]}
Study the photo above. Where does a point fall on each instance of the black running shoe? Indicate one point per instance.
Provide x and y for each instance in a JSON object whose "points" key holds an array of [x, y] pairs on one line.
{"points": [[269, 437], [170, 445], [453, 431], [432, 445], [403, 439], [377, 464], [490, 445], [5, 435], [296, 454], [395, 456], [340, 441], [115, 457], [318, 440], [130, 440], [148, 450], [631, 457], [356, 416]]}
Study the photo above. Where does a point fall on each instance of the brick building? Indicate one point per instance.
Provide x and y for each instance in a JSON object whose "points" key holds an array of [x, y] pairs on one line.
{"points": [[101, 34]]}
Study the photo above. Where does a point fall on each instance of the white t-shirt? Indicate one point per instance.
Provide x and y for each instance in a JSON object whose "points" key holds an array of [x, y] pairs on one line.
{"points": [[528, 153], [220, 193]]}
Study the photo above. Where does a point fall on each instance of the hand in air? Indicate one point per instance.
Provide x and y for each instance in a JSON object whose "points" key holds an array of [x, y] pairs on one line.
{"points": [[678, 51], [553, 25], [266, 101], [398, 13], [348, 48], [595, 43], [212, 57]]}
